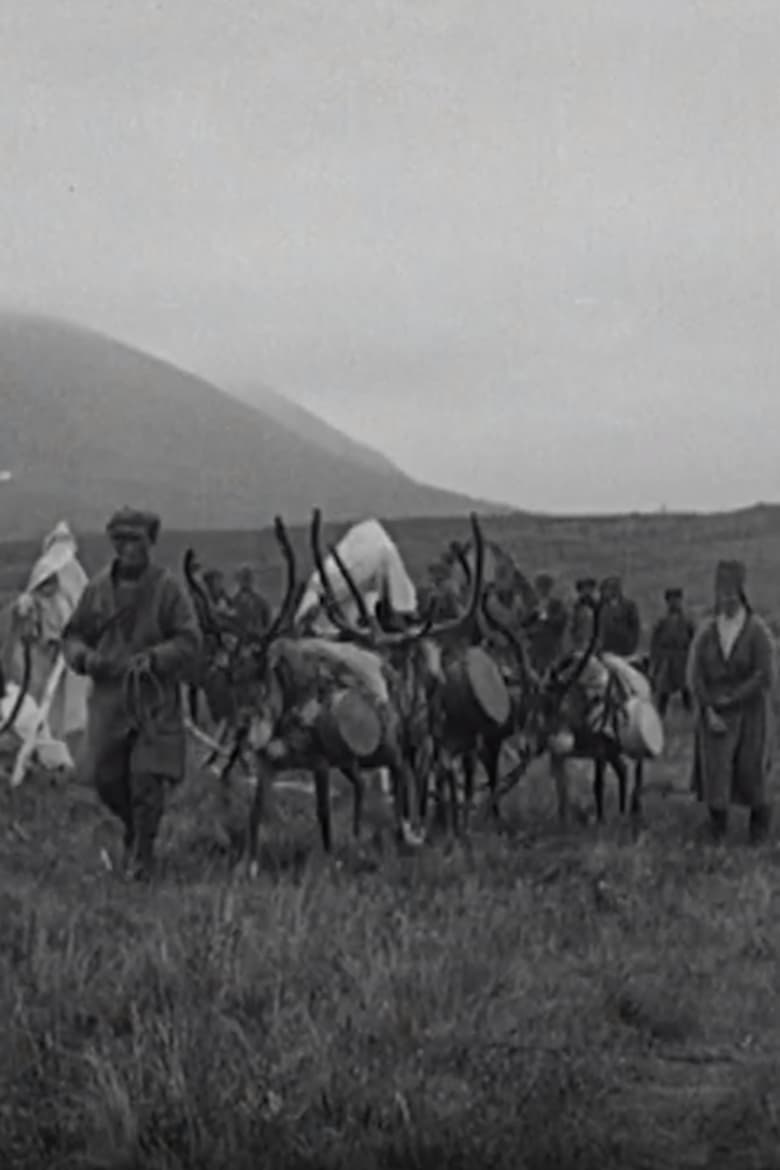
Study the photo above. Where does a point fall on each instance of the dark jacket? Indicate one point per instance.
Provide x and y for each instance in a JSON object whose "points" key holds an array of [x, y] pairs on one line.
{"points": [[669, 645], [619, 628], [101, 639], [546, 628], [251, 610]]}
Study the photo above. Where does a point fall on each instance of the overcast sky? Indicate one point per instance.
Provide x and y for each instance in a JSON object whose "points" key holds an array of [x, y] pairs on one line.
{"points": [[529, 248]]}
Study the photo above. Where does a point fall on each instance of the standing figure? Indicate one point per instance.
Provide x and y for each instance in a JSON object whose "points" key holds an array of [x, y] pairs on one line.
{"points": [[214, 580], [669, 645], [731, 674], [619, 622], [249, 606], [584, 601], [546, 624], [135, 634]]}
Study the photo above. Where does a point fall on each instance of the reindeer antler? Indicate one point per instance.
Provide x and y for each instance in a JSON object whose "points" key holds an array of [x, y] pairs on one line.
{"points": [[288, 600], [373, 638]]}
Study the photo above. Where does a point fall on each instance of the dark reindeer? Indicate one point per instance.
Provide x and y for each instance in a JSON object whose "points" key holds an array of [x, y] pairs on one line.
{"points": [[505, 586], [279, 707], [559, 708]]}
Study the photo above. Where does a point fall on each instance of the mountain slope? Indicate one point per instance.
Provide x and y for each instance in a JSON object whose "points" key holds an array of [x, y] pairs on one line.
{"points": [[88, 424], [300, 420]]}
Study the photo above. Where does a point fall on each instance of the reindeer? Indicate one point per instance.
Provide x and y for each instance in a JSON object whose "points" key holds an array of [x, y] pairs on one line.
{"points": [[284, 706], [444, 725], [22, 629], [417, 661], [469, 745], [573, 719]]}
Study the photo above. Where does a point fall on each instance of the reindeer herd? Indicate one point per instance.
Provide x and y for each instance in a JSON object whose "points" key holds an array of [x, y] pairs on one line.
{"points": [[420, 698]]}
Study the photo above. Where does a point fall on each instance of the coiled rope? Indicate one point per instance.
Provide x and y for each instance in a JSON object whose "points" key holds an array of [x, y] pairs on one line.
{"points": [[144, 697]]}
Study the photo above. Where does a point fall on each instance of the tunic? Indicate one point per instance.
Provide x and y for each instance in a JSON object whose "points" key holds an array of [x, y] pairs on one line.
{"points": [[154, 614], [669, 646], [733, 766], [546, 630], [251, 610], [619, 628]]}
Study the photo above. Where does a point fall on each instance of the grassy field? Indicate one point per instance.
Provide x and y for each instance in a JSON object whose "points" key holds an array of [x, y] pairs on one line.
{"points": [[532, 999]]}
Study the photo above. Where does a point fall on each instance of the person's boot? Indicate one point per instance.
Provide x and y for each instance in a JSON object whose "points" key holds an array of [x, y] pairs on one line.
{"points": [[148, 806], [718, 824], [758, 829]]}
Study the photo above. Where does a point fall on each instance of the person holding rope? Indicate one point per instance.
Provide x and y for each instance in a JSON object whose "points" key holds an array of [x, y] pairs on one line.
{"points": [[135, 634]]}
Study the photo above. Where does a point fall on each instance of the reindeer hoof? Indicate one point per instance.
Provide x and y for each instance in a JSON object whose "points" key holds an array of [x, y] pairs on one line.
{"points": [[410, 837]]}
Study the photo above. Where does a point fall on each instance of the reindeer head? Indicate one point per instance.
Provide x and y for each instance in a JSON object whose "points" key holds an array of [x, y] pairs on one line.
{"points": [[551, 700], [234, 672]]}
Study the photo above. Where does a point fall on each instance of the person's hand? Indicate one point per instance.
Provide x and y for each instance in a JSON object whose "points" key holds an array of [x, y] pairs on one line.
{"points": [[142, 663], [714, 721], [103, 667]]}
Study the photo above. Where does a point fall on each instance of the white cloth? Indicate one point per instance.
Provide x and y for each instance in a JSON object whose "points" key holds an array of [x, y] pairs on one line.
{"points": [[729, 629], [51, 753], [634, 682], [376, 567], [58, 559]]}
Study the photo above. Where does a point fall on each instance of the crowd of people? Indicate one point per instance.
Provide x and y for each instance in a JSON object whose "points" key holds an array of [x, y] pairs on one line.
{"points": [[553, 627], [134, 626]]}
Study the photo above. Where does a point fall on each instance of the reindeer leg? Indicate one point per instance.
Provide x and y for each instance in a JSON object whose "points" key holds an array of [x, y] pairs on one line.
{"points": [[560, 773], [257, 814], [600, 768], [620, 770], [403, 787], [322, 794], [636, 793], [355, 777], [491, 753], [469, 764], [452, 797]]}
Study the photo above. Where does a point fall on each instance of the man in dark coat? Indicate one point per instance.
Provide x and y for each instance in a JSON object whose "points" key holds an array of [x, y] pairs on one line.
{"points": [[732, 675], [135, 633], [249, 606], [214, 580], [546, 624], [669, 645], [619, 627]]}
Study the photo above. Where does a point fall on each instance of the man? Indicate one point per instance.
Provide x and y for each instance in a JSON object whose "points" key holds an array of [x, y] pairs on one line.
{"points": [[546, 624], [135, 634], [251, 609], [669, 645], [731, 674], [214, 580], [618, 621]]}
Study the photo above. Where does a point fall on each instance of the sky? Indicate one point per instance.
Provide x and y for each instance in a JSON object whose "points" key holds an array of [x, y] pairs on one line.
{"points": [[528, 248]]}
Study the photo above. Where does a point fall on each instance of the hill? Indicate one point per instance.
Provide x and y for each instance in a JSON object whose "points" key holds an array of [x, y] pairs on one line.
{"points": [[306, 424], [88, 424]]}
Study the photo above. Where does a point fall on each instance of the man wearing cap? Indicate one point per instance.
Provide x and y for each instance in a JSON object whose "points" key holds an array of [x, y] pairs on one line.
{"points": [[618, 620], [250, 607], [731, 674], [546, 624], [214, 580], [669, 645], [135, 634]]}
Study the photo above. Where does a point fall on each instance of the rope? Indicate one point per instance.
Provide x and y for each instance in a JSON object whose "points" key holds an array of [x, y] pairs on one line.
{"points": [[144, 709]]}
